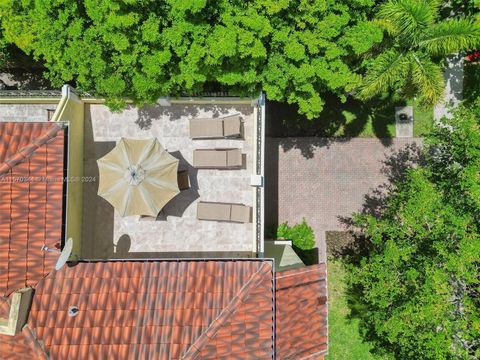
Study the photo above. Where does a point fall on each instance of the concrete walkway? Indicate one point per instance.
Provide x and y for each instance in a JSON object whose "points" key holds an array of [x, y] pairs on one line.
{"points": [[324, 180], [453, 76]]}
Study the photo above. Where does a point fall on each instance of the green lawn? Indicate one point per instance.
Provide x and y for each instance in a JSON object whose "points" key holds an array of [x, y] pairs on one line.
{"points": [[422, 119], [345, 341], [353, 118]]}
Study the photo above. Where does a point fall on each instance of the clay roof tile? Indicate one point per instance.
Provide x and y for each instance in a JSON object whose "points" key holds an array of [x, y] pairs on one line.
{"points": [[27, 204]]}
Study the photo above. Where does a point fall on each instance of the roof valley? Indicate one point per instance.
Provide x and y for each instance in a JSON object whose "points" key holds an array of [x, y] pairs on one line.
{"points": [[225, 314], [32, 143]]}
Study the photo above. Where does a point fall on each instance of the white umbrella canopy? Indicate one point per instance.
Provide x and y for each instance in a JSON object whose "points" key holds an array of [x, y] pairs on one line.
{"points": [[138, 177]]}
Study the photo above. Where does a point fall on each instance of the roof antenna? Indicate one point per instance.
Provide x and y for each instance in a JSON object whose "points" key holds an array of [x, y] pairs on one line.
{"points": [[64, 254]]}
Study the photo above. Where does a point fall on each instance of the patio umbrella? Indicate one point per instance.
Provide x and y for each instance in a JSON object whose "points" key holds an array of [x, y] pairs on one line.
{"points": [[138, 177]]}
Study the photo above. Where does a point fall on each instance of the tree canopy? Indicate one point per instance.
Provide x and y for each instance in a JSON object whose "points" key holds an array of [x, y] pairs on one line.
{"points": [[295, 50], [418, 283], [417, 42]]}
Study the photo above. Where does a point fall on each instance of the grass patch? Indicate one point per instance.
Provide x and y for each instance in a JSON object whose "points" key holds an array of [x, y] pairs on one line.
{"points": [[345, 341], [353, 118], [350, 119], [422, 119]]}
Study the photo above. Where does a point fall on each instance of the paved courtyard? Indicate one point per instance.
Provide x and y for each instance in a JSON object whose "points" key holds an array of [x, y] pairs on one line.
{"points": [[323, 180], [107, 234]]}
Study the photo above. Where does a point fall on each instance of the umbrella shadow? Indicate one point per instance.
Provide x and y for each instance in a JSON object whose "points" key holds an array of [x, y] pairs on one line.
{"points": [[180, 203], [122, 247]]}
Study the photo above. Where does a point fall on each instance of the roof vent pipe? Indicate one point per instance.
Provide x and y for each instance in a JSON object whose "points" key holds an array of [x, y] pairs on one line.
{"points": [[72, 311]]}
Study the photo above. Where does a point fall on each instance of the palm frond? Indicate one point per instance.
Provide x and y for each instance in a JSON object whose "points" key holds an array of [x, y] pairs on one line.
{"points": [[385, 70], [387, 26], [435, 6], [410, 17], [451, 36], [427, 77]]}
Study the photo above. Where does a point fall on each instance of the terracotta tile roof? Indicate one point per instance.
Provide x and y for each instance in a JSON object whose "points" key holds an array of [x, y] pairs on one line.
{"points": [[4, 307], [157, 310], [176, 310], [15, 347], [31, 157], [301, 313], [22, 346]]}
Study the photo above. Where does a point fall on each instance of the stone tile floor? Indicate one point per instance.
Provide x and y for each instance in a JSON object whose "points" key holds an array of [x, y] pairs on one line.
{"points": [[323, 180], [107, 234]]}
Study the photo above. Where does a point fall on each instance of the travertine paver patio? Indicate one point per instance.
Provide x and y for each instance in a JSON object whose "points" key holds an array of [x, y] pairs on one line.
{"points": [[323, 180], [107, 234]]}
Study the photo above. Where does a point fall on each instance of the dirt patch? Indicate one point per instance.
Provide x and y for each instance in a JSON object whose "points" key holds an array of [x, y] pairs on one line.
{"points": [[339, 242]]}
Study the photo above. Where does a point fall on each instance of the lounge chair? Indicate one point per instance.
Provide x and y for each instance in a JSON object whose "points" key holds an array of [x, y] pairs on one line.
{"points": [[226, 127], [215, 211], [217, 158], [241, 213]]}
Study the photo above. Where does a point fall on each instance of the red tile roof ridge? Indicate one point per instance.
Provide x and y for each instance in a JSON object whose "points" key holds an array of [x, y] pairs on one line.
{"points": [[29, 149], [224, 315], [36, 346], [301, 271], [319, 355]]}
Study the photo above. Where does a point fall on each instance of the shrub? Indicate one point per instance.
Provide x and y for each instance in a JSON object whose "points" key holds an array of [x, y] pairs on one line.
{"points": [[297, 51], [301, 235], [417, 284]]}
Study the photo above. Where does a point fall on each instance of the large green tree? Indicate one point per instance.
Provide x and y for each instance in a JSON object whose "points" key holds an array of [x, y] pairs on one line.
{"points": [[418, 282], [295, 50], [411, 55]]}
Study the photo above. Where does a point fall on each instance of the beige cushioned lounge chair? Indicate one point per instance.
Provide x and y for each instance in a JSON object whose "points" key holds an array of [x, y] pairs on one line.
{"points": [[217, 158], [229, 126], [224, 212]]}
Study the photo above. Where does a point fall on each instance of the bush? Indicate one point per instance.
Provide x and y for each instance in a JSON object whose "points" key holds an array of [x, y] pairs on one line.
{"points": [[301, 235], [416, 287], [297, 51]]}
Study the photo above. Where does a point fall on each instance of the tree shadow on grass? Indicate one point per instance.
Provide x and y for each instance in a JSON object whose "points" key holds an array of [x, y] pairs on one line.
{"points": [[380, 347], [338, 121]]}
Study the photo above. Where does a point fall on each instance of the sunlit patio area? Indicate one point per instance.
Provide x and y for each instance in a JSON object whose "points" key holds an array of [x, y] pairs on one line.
{"points": [[177, 230]]}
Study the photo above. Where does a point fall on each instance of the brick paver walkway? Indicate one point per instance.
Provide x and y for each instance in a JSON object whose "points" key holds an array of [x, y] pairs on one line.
{"points": [[323, 180]]}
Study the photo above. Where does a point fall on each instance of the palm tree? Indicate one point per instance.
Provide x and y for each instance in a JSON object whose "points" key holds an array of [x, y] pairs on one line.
{"points": [[416, 42]]}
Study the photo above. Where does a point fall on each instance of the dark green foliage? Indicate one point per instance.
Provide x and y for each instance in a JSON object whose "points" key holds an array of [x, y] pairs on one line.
{"points": [[418, 285], [417, 40], [471, 82], [301, 235], [5, 51], [462, 7], [296, 50]]}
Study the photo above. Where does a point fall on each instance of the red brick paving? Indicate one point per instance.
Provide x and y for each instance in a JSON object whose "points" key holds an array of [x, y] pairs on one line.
{"points": [[322, 180]]}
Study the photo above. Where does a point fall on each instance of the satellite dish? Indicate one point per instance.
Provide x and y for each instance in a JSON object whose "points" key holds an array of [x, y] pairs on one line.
{"points": [[65, 254]]}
